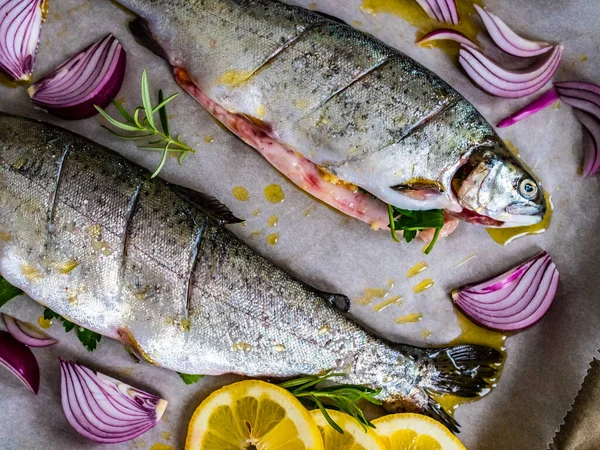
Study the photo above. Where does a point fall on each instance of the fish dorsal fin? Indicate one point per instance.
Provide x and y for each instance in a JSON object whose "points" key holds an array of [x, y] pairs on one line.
{"points": [[206, 203], [420, 189]]}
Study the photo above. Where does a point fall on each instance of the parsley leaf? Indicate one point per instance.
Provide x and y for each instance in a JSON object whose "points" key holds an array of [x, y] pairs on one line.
{"points": [[189, 379], [7, 291], [88, 338], [410, 222]]}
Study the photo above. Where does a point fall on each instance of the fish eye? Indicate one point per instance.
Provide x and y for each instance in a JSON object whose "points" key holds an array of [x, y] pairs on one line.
{"points": [[528, 188]]}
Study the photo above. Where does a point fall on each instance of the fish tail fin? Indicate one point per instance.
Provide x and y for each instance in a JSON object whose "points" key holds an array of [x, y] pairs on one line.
{"points": [[465, 371]]}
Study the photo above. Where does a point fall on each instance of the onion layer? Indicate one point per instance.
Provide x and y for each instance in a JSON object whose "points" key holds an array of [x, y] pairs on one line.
{"points": [[106, 410], [92, 77], [502, 82], [513, 300], [544, 100], [507, 39], [448, 35], [440, 10], [26, 333], [19, 359], [20, 26]]}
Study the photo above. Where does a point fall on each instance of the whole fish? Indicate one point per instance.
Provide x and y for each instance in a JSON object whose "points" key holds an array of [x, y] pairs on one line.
{"points": [[352, 121], [96, 239]]}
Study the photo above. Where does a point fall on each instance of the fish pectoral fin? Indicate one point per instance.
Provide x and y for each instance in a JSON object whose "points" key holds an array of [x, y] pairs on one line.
{"points": [[207, 204], [141, 31], [420, 189]]}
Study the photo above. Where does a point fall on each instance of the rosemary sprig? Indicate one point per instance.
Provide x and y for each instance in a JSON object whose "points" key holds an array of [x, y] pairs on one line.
{"points": [[342, 397], [143, 125]]}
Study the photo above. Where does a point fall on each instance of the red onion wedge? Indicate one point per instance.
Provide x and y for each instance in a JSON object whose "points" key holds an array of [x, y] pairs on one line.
{"points": [[513, 300], [20, 26], [103, 409], [507, 39], [440, 10], [497, 80], [92, 77], [591, 143], [448, 35], [26, 333], [19, 359], [546, 99]]}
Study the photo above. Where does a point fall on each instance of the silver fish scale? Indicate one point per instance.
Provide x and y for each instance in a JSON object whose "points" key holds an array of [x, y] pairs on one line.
{"points": [[188, 293]]}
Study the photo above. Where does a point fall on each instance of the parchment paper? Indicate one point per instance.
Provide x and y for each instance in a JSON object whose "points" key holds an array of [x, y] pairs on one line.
{"points": [[546, 363]]}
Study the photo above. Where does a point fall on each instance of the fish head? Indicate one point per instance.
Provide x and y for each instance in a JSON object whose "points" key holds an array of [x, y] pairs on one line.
{"points": [[495, 189]]}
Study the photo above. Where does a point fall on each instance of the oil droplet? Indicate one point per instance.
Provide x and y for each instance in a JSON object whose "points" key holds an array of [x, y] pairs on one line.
{"points": [[417, 269], [472, 333], [233, 77], [256, 212], [410, 11], [160, 446], [301, 104], [102, 247], [169, 321], [391, 283], [423, 285], [185, 324], [279, 348], [409, 318], [67, 267], [505, 236], [556, 105], [72, 296], [371, 294], [256, 233], [274, 193], [426, 333], [261, 110], [138, 444], [273, 221], [324, 329], [512, 147], [31, 273], [396, 300], [583, 58], [356, 23], [466, 260], [312, 6], [306, 213], [273, 239], [5, 237], [44, 323], [209, 139], [166, 436], [241, 193], [241, 347]]}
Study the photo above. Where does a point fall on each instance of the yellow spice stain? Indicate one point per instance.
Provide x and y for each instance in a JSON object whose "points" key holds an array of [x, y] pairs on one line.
{"points": [[279, 348], [274, 193], [44, 323], [241, 347], [301, 104], [102, 247], [409, 318], [312, 6], [160, 446], [72, 296], [391, 283], [233, 77], [410, 11], [273, 239], [138, 444], [273, 221], [426, 333], [261, 110], [505, 236], [423, 285], [5, 237], [185, 324], [583, 58], [356, 23], [31, 273], [166, 436], [330, 178], [256, 233], [395, 300], [256, 212], [67, 267], [169, 320], [370, 295], [324, 329], [209, 139], [241, 193], [416, 269]]}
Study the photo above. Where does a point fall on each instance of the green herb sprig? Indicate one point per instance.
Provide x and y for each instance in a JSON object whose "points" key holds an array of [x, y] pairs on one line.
{"points": [[341, 397], [143, 125], [410, 222], [7, 292], [88, 338], [190, 379]]}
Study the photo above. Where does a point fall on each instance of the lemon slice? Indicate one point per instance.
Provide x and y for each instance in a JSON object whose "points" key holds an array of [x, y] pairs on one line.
{"points": [[252, 415], [415, 432], [354, 437]]}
